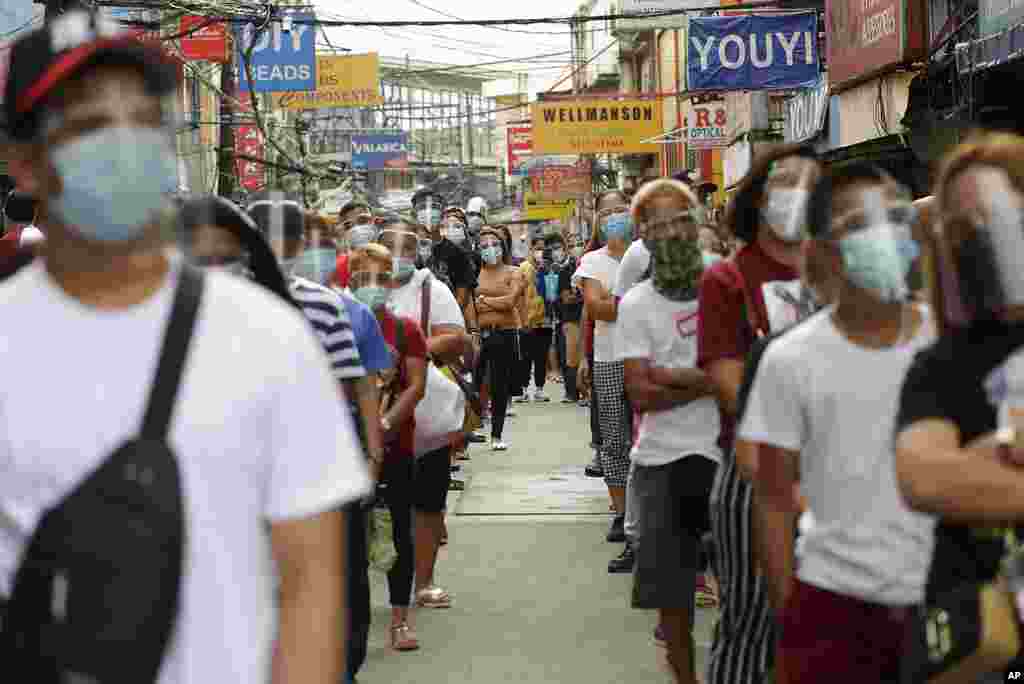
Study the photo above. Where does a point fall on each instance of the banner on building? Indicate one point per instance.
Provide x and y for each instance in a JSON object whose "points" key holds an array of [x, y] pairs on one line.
{"points": [[207, 41], [520, 146], [707, 126], [653, 8], [249, 142], [281, 60], [380, 151], [538, 208], [596, 126], [867, 36], [805, 113], [341, 81], [753, 52], [559, 178]]}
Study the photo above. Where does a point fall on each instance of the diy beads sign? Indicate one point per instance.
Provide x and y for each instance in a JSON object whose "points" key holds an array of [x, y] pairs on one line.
{"points": [[283, 57], [752, 52]]}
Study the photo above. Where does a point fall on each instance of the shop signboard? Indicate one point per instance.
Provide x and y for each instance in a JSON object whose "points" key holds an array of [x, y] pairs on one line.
{"points": [[752, 52], [520, 146], [380, 151], [249, 142], [707, 126], [805, 113], [282, 60], [560, 178], [204, 40], [596, 126], [653, 8], [341, 81], [866, 37], [538, 208]]}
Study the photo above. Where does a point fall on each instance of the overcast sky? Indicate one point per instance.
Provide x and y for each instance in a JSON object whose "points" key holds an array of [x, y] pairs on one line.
{"points": [[454, 44]]}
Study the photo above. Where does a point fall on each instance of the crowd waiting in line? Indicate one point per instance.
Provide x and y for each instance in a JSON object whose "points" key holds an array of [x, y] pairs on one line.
{"points": [[807, 416]]}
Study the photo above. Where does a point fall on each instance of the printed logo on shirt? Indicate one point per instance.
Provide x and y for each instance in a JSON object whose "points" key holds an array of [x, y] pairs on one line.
{"points": [[786, 302], [1005, 384], [686, 324]]}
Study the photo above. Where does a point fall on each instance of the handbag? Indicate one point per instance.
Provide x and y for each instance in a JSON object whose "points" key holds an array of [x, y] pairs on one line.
{"points": [[96, 596], [380, 539], [454, 374], [967, 632]]}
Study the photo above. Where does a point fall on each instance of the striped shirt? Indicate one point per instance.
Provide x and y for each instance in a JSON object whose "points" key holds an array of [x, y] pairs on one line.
{"points": [[326, 312]]}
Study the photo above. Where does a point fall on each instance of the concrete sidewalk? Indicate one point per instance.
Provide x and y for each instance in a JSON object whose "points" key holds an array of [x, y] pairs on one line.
{"points": [[527, 568]]}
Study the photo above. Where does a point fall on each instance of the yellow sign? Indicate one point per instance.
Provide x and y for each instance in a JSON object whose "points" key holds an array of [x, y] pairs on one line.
{"points": [[540, 209], [346, 81], [596, 126]]}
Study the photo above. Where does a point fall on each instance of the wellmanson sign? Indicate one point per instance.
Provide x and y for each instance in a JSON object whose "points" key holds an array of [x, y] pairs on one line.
{"points": [[595, 126]]}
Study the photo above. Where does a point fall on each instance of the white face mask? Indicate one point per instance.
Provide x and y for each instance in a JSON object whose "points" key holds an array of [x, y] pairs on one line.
{"points": [[785, 213]]}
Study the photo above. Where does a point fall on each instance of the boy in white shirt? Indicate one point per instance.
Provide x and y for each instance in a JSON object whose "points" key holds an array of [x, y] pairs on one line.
{"points": [[822, 410], [675, 456]]}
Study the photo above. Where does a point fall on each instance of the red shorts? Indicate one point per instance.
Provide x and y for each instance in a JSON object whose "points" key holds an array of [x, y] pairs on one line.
{"points": [[828, 637]]}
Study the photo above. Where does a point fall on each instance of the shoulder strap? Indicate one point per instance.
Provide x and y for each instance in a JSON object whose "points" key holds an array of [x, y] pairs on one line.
{"points": [[400, 336], [757, 324], [425, 305], [177, 338]]}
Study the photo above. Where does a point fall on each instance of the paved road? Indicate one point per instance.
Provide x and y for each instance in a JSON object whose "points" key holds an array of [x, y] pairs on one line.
{"points": [[526, 566]]}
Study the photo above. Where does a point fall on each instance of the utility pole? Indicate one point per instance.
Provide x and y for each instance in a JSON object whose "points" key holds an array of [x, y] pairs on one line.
{"points": [[458, 129], [469, 133], [227, 167]]}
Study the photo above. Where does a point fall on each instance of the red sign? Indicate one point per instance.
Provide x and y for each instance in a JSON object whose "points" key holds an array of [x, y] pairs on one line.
{"points": [[520, 147], [867, 36], [209, 42], [249, 142], [562, 181]]}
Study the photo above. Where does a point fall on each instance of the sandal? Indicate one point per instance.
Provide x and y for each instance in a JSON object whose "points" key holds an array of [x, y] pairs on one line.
{"points": [[433, 597], [456, 486], [705, 595], [403, 638]]}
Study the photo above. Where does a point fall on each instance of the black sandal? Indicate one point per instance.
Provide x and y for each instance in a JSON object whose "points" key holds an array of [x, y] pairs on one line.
{"points": [[456, 486]]}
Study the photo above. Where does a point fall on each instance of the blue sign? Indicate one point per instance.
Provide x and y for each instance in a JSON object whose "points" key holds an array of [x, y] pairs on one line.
{"points": [[281, 60], [753, 52], [382, 151]]}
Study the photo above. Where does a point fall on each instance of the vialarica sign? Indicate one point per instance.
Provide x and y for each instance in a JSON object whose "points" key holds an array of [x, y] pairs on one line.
{"points": [[595, 126]]}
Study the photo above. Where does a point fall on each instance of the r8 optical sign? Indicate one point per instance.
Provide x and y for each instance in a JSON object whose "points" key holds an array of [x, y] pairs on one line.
{"points": [[282, 60]]}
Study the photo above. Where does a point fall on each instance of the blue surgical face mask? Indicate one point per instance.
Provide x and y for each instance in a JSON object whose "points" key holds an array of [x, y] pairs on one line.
{"points": [[491, 254], [373, 296], [114, 181], [402, 268], [317, 265], [619, 227], [709, 258], [879, 258]]}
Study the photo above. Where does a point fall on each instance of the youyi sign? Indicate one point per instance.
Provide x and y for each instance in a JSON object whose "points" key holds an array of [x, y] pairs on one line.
{"points": [[281, 60], [707, 127], [596, 126], [805, 113], [752, 52]]}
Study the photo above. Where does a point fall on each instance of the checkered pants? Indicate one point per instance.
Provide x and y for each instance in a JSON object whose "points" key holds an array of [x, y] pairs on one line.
{"points": [[610, 383]]}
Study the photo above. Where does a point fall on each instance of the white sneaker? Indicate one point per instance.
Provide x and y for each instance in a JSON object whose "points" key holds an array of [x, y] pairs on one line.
{"points": [[498, 445], [539, 397], [522, 398]]}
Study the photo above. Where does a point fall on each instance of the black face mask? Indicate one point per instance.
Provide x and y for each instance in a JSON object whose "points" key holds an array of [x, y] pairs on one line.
{"points": [[20, 208]]}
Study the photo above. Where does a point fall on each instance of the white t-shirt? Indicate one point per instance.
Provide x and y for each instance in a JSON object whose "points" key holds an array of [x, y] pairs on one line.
{"points": [[664, 332], [835, 403], [259, 429], [634, 264], [407, 300], [603, 268]]}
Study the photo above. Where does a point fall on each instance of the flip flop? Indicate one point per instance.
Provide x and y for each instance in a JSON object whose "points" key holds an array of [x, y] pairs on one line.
{"points": [[456, 486]]}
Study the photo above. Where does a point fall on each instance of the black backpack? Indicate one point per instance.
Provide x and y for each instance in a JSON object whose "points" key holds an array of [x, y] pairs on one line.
{"points": [[96, 596]]}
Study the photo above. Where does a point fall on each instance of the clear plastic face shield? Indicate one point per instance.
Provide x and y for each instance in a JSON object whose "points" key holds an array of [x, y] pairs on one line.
{"points": [[874, 235], [358, 230], [670, 224], [372, 284], [274, 217], [404, 247], [786, 192], [454, 230], [475, 223], [428, 213], [982, 269]]}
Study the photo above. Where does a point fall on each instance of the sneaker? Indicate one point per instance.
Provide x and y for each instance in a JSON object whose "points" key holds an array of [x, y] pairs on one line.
{"points": [[510, 413], [498, 445], [476, 438], [539, 397], [585, 403], [594, 469], [521, 398], [659, 637], [568, 400], [617, 532], [623, 563]]}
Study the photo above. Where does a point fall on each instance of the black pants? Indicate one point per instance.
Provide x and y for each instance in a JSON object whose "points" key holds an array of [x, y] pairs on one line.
{"points": [[535, 343], [595, 415], [497, 362], [396, 491], [358, 588]]}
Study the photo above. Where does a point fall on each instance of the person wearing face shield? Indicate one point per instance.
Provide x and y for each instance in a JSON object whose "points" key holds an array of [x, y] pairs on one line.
{"points": [[742, 300], [844, 608], [357, 227], [418, 297], [675, 455], [87, 108], [401, 391], [451, 263], [958, 428], [596, 277]]}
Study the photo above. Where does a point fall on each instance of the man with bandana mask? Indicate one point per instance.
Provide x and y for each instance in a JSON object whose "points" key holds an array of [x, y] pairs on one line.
{"points": [[95, 144], [822, 411], [675, 455]]}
